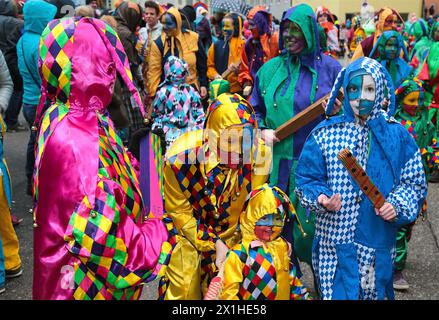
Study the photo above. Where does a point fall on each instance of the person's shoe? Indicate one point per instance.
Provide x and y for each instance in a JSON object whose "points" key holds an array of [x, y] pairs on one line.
{"points": [[399, 283], [2, 289], [9, 274], [16, 128], [434, 177], [16, 220]]}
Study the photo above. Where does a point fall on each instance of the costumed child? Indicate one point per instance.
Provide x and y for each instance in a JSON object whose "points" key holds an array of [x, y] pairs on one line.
{"points": [[420, 32], [357, 221], [259, 267], [177, 106], [388, 49], [412, 114]]}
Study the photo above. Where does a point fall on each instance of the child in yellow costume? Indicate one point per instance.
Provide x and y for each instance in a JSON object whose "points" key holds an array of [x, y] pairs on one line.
{"points": [[259, 267], [205, 192]]}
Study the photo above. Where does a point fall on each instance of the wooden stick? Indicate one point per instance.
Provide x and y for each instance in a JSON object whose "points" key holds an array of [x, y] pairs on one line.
{"points": [[229, 69], [361, 178], [304, 117]]}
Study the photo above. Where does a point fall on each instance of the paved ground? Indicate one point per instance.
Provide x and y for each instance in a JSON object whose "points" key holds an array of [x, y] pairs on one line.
{"points": [[422, 265]]}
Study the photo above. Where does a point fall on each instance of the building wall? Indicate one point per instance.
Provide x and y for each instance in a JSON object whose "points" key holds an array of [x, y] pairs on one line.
{"points": [[343, 7]]}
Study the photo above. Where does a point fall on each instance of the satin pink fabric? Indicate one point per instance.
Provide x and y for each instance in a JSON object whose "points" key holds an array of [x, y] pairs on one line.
{"points": [[68, 172]]}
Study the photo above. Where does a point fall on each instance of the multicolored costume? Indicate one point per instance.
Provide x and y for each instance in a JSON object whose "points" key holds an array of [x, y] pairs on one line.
{"points": [[413, 115], [354, 248], [330, 29], [177, 106], [223, 53], [256, 270], [91, 237], [204, 197], [283, 87], [398, 68]]}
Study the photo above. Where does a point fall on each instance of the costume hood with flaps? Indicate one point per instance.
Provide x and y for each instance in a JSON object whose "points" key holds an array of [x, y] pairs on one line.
{"points": [[382, 16], [129, 14], [261, 202], [226, 111], [378, 119], [420, 29], [237, 24], [76, 75], [37, 14], [175, 70], [304, 17], [381, 44]]}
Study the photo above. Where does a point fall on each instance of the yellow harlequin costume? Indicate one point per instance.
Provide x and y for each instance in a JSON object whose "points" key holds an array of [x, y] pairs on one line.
{"points": [[256, 270], [204, 197]]}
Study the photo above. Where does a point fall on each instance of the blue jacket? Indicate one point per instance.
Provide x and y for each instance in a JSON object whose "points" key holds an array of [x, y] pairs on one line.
{"points": [[37, 14]]}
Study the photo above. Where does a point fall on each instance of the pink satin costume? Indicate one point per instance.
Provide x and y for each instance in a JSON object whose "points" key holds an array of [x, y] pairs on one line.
{"points": [[91, 240]]}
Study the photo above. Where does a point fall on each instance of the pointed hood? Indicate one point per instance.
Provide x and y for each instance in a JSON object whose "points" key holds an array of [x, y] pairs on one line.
{"points": [[176, 70], [79, 58], [129, 14], [381, 44], [178, 19], [261, 202], [419, 29], [304, 16], [382, 16]]}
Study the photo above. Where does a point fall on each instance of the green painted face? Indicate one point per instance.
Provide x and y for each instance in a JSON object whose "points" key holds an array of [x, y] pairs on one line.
{"points": [[391, 48]]}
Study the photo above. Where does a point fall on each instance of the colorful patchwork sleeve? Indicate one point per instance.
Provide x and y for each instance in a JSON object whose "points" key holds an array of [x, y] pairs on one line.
{"points": [[311, 179], [177, 206], [407, 197], [115, 251]]}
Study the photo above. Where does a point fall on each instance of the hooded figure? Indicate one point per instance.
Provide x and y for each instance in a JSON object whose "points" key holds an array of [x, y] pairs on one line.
{"points": [[354, 244], [387, 18], [223, 53], [285, 86], [91, 238], [388, 49], [37, 15], [327, 21], [421, 32], [177, 106], [260, 269], [205, 191], [181, 43], [259, 48]]}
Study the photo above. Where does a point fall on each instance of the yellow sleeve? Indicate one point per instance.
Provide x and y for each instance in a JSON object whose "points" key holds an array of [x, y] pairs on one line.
{"points": [[154, 70], [263, 163], [232, 277], [211, 70], [180, 210], [358, 53]]}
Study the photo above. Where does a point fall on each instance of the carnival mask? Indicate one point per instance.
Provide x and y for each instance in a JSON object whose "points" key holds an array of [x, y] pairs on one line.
{"points": [[269, 227], [410, 103], [391, 48], [228, 28], [361, 93], [294, 40], [169, 25], [323, 18]]}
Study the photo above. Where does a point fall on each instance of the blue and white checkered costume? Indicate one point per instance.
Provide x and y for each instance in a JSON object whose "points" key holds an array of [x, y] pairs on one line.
{"points": [[353, 248]]}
